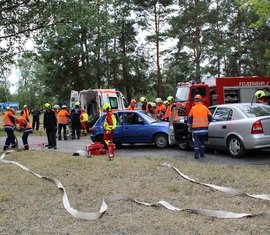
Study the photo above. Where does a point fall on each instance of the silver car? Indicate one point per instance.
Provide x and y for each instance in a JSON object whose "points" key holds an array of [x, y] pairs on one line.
{"points": [[239, 127]]}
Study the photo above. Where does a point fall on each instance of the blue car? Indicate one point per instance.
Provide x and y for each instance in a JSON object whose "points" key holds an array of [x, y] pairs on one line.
{"points": [[134, 126]]}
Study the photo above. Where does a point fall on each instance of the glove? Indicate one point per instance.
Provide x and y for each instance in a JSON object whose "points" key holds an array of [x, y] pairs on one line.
{"points": [[189, 129], [108, 132]]}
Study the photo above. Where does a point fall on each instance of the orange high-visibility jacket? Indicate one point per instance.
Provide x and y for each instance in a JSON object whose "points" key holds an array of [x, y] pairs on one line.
{"points": [[25, 114], [199, 115], [9, 119], [62, 116], [25, 125]]}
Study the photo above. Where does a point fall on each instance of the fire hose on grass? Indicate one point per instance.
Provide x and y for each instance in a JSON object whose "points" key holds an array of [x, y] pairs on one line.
{"points": [[116, 197]]}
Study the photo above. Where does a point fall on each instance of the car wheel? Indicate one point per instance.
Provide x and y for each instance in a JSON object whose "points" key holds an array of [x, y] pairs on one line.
{"points": [[161, 141], [236, 147]]}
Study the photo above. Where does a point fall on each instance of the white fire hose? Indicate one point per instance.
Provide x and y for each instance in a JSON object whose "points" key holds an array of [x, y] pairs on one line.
{"points": [[117, 197]]}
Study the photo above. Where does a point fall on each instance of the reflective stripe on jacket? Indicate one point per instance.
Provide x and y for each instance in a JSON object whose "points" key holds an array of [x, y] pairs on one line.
{"points": [[199, 116], [109, 122]]}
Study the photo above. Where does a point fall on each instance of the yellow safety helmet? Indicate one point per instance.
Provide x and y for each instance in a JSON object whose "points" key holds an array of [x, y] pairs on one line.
{"points": [[143, 99], [47, 106], [106, 107], [260, 94], [170, 99], [77, 103], [166, 103]]}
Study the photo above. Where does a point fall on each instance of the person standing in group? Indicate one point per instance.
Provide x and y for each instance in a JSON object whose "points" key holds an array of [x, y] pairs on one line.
{"points": [[35, 118], [169, 111], [9, 124], [26, 127], [161, 108], [146, 106], [25, 113], [261, 96], [84, 121], [50, 125], [75, 116], [109, 126], [198, 119], [132, 105], [62, 118]]}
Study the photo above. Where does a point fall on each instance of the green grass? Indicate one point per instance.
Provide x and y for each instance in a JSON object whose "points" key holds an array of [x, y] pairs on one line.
{"points": [[35, 205]]}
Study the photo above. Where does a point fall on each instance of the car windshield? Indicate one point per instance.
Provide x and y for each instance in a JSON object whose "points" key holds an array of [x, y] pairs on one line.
{"points": [[255, 110], [182, 94], [149, 117]]}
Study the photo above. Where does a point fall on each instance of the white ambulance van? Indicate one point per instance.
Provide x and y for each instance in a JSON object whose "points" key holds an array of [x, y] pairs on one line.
{"points": [[91, 101]]}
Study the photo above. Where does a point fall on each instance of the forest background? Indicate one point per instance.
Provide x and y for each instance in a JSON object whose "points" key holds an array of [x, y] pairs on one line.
{"points": [[139, 47]]}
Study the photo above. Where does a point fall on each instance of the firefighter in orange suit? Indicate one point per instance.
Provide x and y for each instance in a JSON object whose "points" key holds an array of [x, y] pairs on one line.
{"points": [[132, 105], [62, 119], [26, 127], [109, 127], [145, 105], [25, 113], [198, 119], [9, 124]]}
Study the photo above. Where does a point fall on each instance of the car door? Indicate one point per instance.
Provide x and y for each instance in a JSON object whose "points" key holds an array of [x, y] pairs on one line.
{"points": [[219, 127], [133, 128]]}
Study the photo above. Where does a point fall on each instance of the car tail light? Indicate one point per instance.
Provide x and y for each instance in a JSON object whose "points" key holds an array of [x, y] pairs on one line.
{"points": [[257, 128]]}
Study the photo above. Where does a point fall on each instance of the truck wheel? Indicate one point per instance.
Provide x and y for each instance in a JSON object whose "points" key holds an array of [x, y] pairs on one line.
{"points": [[161, 140], [235, 147]]}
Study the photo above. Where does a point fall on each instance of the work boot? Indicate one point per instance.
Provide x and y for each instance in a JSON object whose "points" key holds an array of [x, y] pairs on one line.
{"points": [[26, 147], [59, 138], [196, 157]]}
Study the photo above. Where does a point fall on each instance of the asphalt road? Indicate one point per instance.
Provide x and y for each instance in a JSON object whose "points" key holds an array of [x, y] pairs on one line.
{"points": [[259, 157]]}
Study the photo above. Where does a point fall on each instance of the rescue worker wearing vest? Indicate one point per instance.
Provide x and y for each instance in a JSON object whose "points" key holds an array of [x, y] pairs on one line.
{"points": [[9, 124], [146, 106], [25, 113], [261, 96], [109, 126], [170, 110], [84, 121], [75, 116], [155, 109], [26, 128], [62, 119], [132, 105], [161, 109], [50, 125], [198, 119]]}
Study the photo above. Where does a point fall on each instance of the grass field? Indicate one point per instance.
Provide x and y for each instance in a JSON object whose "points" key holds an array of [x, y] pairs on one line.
{"points": [[30, 205]]}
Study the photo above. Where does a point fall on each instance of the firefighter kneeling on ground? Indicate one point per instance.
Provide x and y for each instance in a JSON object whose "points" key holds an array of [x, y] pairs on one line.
{"points": [[109, 127]]}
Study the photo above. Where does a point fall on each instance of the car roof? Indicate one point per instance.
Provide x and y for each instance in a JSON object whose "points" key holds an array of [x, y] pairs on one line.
{"points": [[237, 105]]}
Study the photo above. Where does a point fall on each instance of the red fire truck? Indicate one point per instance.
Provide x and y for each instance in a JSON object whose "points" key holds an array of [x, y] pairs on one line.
{"points": [[220, 91]]}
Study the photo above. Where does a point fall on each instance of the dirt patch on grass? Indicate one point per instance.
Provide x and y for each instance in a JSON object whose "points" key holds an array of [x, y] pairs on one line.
{"points": [[30, 205]]}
